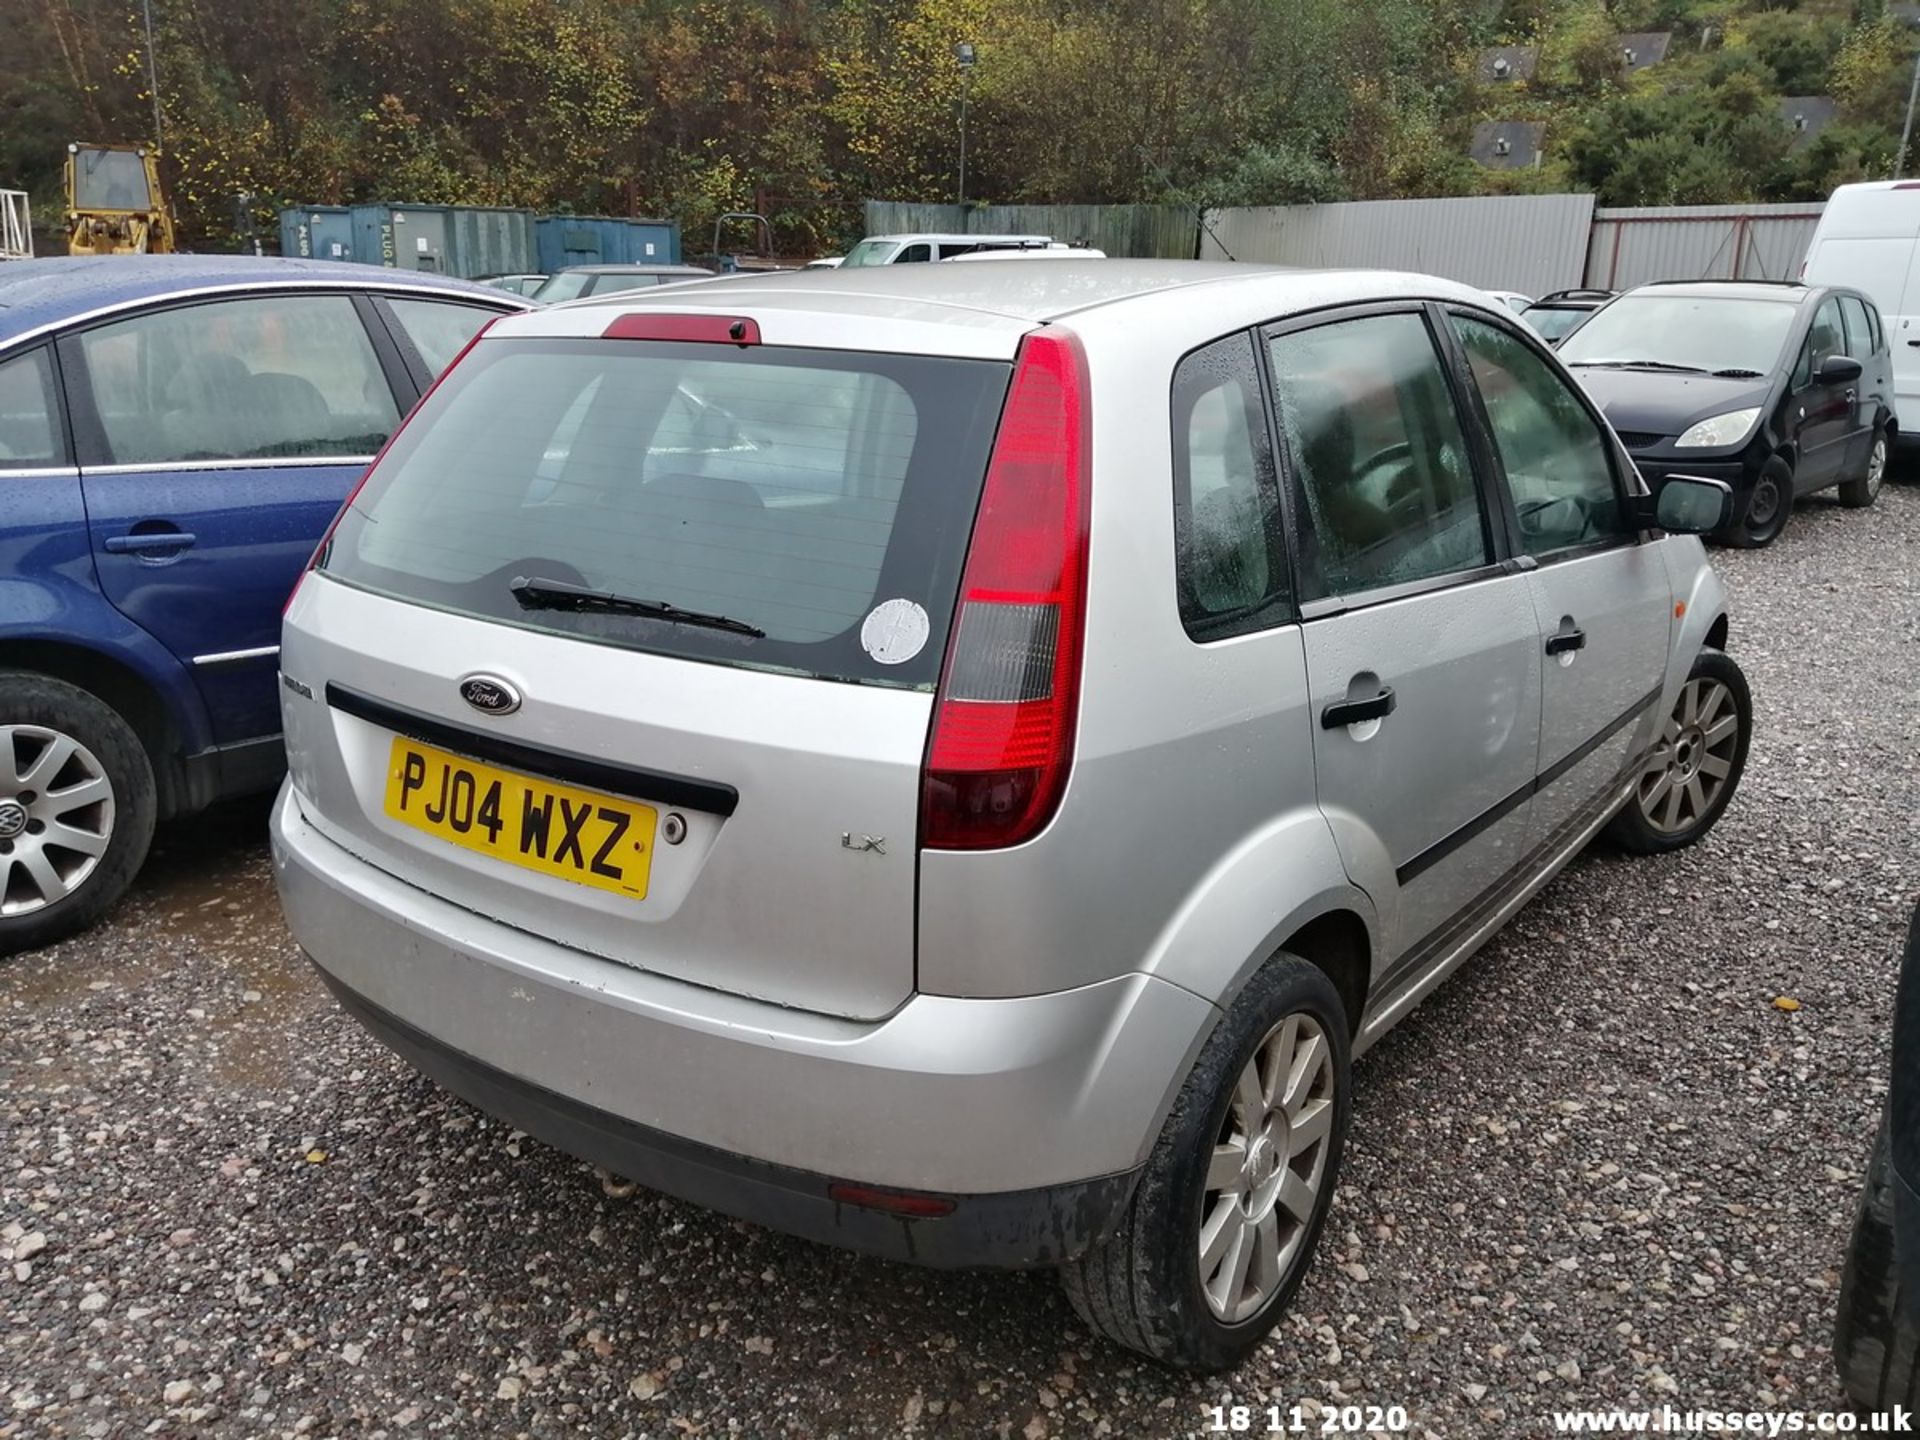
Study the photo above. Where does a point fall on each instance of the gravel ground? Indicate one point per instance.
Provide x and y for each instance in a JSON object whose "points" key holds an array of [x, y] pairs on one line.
{"points": [[1599, 1168]]}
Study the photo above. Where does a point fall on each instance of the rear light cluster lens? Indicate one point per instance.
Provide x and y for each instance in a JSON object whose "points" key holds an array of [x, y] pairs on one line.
{"points": [[1003, 727]]}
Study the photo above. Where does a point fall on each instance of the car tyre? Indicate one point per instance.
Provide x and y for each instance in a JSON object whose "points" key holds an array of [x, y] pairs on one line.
{"points": [[1689, 778], [1769, 504], [1863, 491], [1876, 1344], [1245, 1166], [77, 809]]}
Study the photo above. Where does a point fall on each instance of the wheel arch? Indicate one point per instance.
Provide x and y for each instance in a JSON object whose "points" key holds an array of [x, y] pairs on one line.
{"points": [[135, 697], [1337, 943]]}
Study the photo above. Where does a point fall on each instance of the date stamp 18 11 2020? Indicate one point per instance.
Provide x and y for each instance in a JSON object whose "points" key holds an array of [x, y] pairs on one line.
{"points": [[1300, 1420]]}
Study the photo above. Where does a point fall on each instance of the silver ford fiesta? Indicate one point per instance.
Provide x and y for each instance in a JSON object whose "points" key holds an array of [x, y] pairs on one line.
{"points": [[955, 761]]}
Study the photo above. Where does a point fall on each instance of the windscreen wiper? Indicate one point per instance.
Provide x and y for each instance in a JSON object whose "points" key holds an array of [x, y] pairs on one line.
{"points": [[1636, 365], [1736, 373], [535, 593]]}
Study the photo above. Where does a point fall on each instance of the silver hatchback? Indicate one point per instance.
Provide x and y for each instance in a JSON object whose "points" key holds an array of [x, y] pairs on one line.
{"points": [[955, 761]]}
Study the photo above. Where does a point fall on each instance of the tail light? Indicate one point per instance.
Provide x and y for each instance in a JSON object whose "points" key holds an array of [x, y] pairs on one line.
{"points": [[1003, 725], [313, 560]]}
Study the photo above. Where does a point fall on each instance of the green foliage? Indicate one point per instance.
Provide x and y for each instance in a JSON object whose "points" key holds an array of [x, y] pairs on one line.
{"points": [[801, 108]]}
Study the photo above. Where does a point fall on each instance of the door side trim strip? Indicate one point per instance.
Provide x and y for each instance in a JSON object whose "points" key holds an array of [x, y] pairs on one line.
{"points": [[1500, 809], [230, 657], [1429, 964]]}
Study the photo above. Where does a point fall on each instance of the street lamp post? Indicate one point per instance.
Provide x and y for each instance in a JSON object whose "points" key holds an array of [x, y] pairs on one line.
{"points": [[1906, 130], [153, 76], [963, 54]]}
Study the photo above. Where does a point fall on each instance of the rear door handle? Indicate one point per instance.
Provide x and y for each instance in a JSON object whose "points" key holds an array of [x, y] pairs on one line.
{"points": [[1353, 712], [1565, 641], [158, 542]]}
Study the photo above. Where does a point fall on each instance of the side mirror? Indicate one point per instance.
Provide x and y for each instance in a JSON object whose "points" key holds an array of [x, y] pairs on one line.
{"points": [[1838, 370], [1692, 505]]}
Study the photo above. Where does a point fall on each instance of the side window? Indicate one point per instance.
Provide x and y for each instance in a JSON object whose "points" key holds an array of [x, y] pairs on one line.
{"points": [[1379, 462], [913, 254], [1557, 460], [1228, 535], [439, 329], [29, 431], [1860, 343], [260, 378]]}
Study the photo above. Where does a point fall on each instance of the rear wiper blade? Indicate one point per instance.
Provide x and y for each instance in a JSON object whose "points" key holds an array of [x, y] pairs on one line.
{"points": [[1636, 365], [536, 593], [1738, 374]]}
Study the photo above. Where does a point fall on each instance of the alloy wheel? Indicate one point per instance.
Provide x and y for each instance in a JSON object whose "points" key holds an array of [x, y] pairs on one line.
{"points": [[1268, 1165], [1877, 465], [1692, 760], [56, 817]]}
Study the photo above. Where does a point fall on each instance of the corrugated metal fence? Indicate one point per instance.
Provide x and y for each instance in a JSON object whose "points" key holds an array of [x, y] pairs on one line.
{"points": [[1699, 242], [1532, 243], [1166, 232]]}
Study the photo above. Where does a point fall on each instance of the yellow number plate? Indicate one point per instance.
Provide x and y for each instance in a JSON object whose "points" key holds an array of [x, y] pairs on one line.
{"points": [[580, 835]]}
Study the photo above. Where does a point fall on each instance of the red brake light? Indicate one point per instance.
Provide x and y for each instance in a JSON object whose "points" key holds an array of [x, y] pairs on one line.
{"points": [[374, 464], [707, 329], [1003, 725]]}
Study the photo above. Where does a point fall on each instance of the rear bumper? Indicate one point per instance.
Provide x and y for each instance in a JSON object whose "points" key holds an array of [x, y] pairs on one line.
{"points": [[1032, 1115], [1027, 1227]]}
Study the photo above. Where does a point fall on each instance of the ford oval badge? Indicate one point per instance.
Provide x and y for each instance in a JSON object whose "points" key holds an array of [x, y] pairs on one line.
{"points": [[490, 695]]}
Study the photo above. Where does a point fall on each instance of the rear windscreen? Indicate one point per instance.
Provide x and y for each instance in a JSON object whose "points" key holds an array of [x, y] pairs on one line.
{"points": [[821, 498]]}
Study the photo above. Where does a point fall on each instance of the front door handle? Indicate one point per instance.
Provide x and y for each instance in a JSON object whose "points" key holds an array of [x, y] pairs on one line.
{"points": [[1354, 712], [149, 542], [1565, 641]]}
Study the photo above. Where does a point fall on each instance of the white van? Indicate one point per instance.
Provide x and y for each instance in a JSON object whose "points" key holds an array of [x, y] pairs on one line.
{"points": [[1869, 238], [1048, 252], [908, 249]]}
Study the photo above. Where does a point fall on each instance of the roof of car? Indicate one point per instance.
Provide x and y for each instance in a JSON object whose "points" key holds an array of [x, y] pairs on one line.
{"points": [[1791, 291], [1031, 293], [36, 294], [977, 310]]}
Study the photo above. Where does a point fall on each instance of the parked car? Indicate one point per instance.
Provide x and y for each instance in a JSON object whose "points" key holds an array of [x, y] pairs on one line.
{"points": [[1781, 390], [825, 262], [1035, 252], [514, 284], [1513, 300], [1876, 1341], [913, 249], [1558, 315], [578, 281], [1868, 238], [175, 434], [979, 820]]}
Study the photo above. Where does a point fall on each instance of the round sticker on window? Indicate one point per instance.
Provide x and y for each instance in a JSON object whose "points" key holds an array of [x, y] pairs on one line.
{"points": [[894, 632]]}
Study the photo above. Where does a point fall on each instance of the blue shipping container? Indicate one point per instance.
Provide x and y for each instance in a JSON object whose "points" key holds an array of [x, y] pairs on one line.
{"points": [[563, 240], [324, 232]]}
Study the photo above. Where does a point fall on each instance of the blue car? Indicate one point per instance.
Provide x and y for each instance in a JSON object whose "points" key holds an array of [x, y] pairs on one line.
{"points": [[176, 432]]}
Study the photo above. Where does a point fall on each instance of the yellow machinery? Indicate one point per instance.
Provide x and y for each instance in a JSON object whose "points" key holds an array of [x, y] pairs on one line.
{"points": [[115, 205]]}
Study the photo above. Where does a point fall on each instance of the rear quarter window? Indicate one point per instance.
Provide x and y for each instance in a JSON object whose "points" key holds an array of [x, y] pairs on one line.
{"points": [[792, 492]]}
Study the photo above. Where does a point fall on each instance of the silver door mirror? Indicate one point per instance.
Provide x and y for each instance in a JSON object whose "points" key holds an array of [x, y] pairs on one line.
{"points": [[1692, 505]]}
